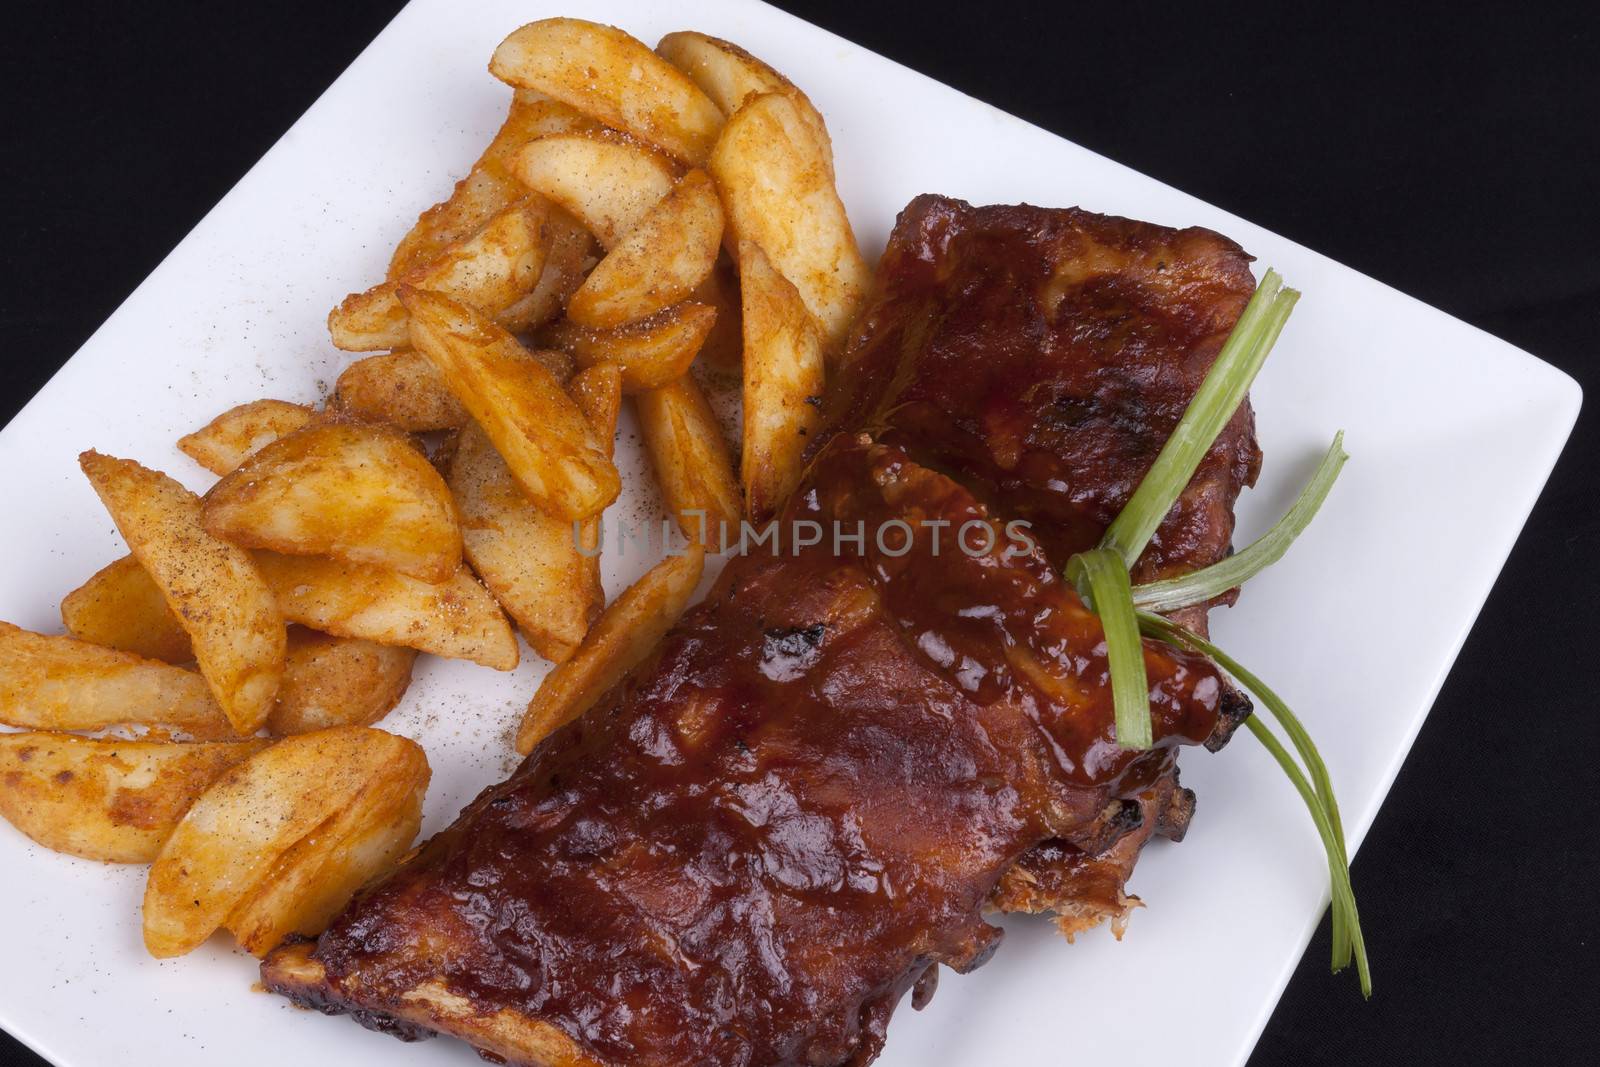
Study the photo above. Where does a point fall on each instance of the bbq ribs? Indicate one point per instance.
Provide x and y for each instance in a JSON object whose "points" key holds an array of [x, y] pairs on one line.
{"points": [[806, 800]]}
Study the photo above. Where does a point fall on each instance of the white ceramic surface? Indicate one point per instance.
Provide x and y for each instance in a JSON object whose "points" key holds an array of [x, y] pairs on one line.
{"points": [[1451, 431]]}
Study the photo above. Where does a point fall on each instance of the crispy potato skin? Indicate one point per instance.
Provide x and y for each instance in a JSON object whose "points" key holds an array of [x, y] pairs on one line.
{"points": [[456, 619], [281, 839], [357, 491], [660, 262], [112, 800], [778, 191], [691, 459], [61, 683], [338, 681], [613, 77], [489, 187], [211, 586], [650, 353], [607, 182], [783, 382], [492, 270], [121, 607], [624, 637], [552, 451], [240, 432]]}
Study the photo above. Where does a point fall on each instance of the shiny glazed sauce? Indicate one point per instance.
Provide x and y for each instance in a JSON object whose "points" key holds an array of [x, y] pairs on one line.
{"points": [[749, 854]]}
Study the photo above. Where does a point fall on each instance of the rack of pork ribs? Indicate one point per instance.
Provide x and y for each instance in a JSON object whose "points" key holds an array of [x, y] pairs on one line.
{"points": [[837, 763]]}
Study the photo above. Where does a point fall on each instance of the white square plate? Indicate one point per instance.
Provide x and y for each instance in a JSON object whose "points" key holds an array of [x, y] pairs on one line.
{"points": [[1452, 434]]}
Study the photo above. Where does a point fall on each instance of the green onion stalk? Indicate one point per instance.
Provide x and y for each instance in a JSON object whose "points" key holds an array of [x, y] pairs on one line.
{"points": [[1128, 612]]}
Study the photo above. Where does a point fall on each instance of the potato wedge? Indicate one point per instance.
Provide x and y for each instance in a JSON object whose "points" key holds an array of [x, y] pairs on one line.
{"points": [[550, 447], [356, 491], [783, 381], [692, 462], [660, 262], [239, 433], [598, 391], [604, 72], [338, 681], [729, 75], [722, 352], [268, 829], [649, 353], [607, 183], [626, 633], [121, 606], [491, 271], [544, 571], [211, 586], [406, 391], [569, 254], [457, 619], [316, 878], [527, 557], [402, 389], [489, 188], [107, 799], [778, 192], [61, 683]]}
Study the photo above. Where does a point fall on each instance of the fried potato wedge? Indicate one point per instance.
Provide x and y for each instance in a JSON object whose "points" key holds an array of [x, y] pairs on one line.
{"points": [[604, 72], [489, 188], [316, 878], [729, 75], [284, 838], [212, 587], [783, 382], [607, 183], [239, 433], [722, 352], [570, 252], [402, 389], [649, 353], [692, 462], [598, 391], [406, 391], [457, 619], [61, 683], [121, 606], [356, 491], [626, 633], [659, 263], [338, 681], [528, 558], [111, 800], [778, 192], [544, 571], [552, 451], [491, 271]]}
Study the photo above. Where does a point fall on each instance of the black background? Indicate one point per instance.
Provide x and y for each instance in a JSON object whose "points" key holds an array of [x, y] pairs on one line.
{"points": [[1450, 152]]}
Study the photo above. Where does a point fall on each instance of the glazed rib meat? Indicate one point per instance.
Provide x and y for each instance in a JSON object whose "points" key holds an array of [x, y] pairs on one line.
{"points": [[804, 803]]}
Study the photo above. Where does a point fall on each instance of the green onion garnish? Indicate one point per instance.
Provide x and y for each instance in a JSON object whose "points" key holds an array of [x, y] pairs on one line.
{"points": [[1102, 580], [1317, 792], [1202, 585], [1208, 412], [1213, 405]]}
